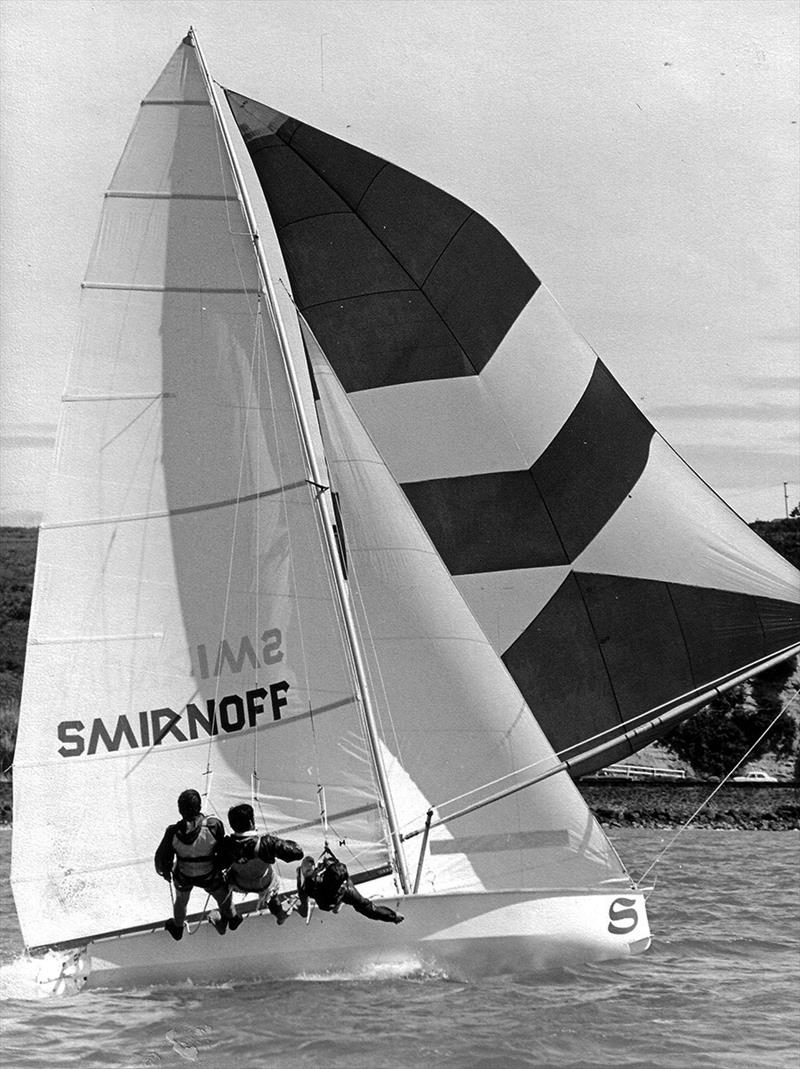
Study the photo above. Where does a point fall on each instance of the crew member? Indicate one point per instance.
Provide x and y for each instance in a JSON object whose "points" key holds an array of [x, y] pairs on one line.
{"points": [[249, 858], [187, 855], [328, 883]]}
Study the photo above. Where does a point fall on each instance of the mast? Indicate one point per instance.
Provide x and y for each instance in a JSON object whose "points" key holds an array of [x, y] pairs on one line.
{"points": [[317, 479]]}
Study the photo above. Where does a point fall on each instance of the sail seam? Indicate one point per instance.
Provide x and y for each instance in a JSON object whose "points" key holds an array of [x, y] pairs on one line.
{"points": [[684, 640], [317, 215], [74, 397], [370, 184], [355, 811], [141, 753], [164, 289], [162, 513], [167, 102], [599, 646], [68, 639], [450, 241], [129, 194], [355, 297]]}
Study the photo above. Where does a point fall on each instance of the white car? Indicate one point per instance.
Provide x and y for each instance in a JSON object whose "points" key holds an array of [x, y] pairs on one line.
{"points": [[755, 775]]}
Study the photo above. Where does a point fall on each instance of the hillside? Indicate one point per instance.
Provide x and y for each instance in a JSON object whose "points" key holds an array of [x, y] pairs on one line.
{"points": [[17, 560]]}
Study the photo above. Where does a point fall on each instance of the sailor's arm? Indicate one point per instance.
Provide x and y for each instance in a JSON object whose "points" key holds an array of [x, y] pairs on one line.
{"points": [[165, 855], [272, 848]]}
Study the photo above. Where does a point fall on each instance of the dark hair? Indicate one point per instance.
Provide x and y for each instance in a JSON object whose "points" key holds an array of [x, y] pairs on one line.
{"points": [[189, 804], [241, 818]]}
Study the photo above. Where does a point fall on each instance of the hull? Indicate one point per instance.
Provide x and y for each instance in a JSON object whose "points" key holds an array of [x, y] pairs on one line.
{"points": [[458, 935]]}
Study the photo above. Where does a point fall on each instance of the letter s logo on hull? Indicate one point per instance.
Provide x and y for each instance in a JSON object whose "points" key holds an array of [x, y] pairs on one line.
{"points": [[623, 916]]}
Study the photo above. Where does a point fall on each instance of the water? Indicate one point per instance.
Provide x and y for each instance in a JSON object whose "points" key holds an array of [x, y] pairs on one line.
{"points": [[718, 988]]}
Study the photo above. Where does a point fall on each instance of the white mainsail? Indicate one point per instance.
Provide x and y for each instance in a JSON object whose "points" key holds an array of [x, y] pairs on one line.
{"points": [[453, 719], [183, 619]]}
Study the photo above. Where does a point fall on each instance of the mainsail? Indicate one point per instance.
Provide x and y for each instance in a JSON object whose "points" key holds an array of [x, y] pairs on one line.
{"points": [[453, 720], [615, 584], [184, 629]]}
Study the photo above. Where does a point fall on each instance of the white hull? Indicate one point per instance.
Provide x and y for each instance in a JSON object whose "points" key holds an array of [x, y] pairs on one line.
{"points": [[460, 935]]}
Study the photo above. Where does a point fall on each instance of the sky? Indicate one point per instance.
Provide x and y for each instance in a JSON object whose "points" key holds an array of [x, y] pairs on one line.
{"points": [[641, 155]]}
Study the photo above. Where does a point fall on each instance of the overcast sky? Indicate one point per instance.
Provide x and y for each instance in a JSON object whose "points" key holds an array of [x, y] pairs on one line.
{"points": [[640, 154]]}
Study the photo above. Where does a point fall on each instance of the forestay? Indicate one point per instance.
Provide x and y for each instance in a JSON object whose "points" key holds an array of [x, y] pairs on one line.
{"points": [[453, 721], [183, 620], [608, 576]]}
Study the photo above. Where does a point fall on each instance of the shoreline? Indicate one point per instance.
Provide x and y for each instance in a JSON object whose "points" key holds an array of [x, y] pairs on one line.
{"points": [[662, 804], [669, 804]]}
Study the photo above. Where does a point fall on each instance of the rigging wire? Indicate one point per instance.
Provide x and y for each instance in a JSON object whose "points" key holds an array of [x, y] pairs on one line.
{"points": [[323, 812], [721, 783]]}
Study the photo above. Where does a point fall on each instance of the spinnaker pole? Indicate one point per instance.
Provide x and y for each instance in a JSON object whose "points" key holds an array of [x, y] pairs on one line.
{"points": [[316, 477]]}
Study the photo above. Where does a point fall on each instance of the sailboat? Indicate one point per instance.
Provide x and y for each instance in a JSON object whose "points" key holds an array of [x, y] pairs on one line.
{"points": [[327, 535]]}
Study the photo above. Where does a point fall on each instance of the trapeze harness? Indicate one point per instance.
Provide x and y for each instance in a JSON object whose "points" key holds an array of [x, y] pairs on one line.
{"points": [[326, 883], [196, 858], [249, 873]]}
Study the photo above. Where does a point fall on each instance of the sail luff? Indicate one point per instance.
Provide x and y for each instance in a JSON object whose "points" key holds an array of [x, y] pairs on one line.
{"points": [[317, 478]]}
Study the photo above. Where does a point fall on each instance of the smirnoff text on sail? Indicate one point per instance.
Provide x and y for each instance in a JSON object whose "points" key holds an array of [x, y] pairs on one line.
{"points": [[204, 718]]}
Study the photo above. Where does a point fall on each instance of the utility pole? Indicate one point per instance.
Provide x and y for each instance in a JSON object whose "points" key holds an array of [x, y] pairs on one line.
{"points": [[786, 498]]}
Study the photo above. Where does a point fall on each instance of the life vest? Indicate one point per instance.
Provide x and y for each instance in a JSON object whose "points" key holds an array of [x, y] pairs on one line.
{"points": [[249, 872], [196, 857]]}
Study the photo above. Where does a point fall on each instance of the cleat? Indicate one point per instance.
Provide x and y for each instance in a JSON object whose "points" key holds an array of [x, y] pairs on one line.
{"points": [[398, 919], [175, 930], [283, 916], [234, 923]]}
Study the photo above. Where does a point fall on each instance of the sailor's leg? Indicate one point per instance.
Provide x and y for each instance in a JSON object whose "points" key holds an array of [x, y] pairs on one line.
{"points": [[304, 872], [223, 896], [277, 910], [354, 898], [182, 895]]}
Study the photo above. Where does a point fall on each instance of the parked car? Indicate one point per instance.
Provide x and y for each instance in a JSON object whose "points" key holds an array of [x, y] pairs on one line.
{"points": [[755, 775]]}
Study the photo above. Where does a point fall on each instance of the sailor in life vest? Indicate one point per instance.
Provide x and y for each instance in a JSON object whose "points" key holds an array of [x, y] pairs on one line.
{"points": [[187, 855], [328, 883], [249, 858]]}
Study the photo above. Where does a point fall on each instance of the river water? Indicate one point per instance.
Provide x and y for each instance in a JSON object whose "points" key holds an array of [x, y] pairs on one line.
{"points": [[718, 988]]}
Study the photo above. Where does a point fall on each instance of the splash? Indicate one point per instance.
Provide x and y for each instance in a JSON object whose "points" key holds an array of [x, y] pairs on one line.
{"points": [[402, 969], [54, 974]]}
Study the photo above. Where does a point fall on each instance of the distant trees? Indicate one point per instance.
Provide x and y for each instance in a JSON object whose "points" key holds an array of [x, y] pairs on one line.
{"points": [[782, 535], [714, 739]]}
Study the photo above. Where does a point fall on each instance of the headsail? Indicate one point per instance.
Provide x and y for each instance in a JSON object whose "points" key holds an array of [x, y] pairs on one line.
{"points": [[456, 726], [183, 623], [613, 582]]}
